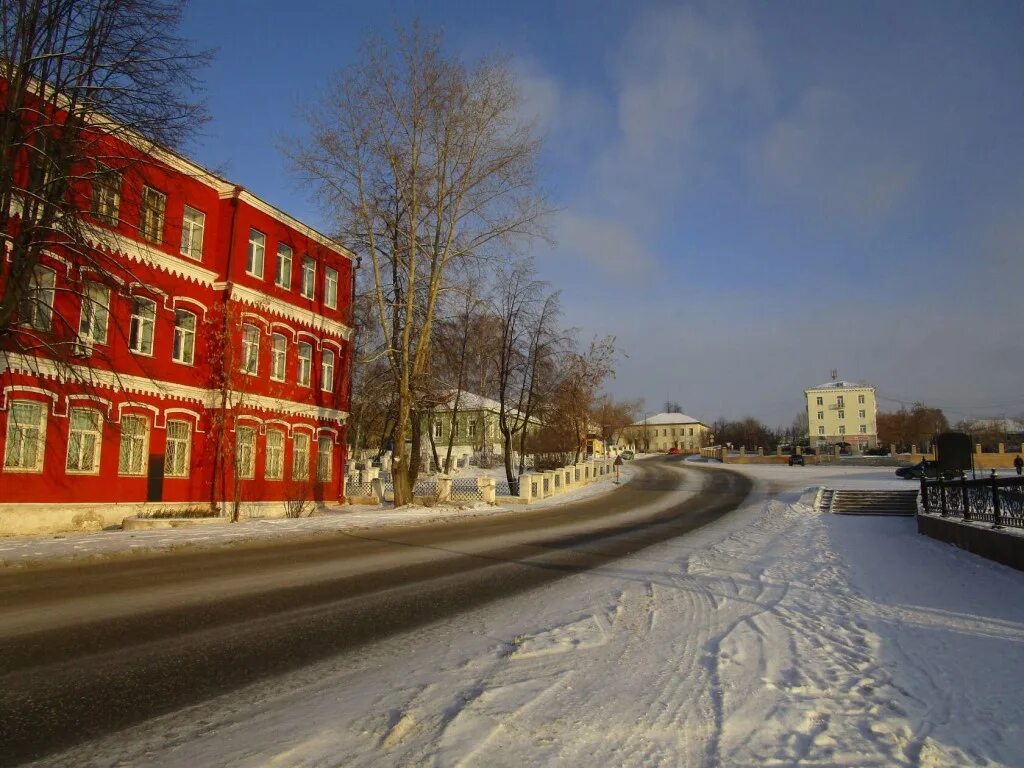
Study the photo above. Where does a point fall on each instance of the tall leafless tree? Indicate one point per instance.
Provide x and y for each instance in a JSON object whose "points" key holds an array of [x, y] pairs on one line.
{"points": [[79, 81], [424, 163]]}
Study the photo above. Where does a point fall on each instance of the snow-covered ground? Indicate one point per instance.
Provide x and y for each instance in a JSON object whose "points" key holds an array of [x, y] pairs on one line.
{"points": [[778, 636]]}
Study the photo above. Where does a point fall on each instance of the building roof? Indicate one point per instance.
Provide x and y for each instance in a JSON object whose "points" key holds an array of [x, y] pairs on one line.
{"points": [[668, 418], [470, 401], [840, 385]]}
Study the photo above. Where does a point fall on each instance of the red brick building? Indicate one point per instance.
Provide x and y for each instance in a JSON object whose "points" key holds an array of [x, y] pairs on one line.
{"points": [[198, 354]]}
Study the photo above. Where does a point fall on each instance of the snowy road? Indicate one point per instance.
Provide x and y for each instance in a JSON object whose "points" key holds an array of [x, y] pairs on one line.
{"points": [[88, 649], [776, 636]]}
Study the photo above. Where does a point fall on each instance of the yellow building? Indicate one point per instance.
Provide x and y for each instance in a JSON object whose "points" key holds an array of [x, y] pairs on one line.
{"points": [[842, 412], [669, 430]]}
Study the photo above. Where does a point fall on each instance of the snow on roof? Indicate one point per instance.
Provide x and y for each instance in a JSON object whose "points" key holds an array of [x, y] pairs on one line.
{"points": [[1002, 425], [839, 384], [470, 401], [668, 418]]}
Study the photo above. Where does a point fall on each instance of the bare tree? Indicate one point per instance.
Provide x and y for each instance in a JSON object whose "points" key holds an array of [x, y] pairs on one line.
{"points": [[527, 313], [582, 377], [423, 162], [82, 81]]}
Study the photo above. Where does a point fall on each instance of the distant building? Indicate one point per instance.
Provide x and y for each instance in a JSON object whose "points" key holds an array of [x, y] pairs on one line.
{"points": [[670, 430], [842, 412], [475, 430]]}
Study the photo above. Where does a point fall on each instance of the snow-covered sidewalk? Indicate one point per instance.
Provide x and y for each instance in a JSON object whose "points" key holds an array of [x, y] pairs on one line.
{"points": [[776, 636], [29, 550]]}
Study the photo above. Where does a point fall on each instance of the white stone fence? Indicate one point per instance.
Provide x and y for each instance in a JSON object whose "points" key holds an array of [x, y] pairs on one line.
{"points": [[364, 486]]}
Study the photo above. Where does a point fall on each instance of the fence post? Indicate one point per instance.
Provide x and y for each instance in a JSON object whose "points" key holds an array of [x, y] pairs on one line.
{"points": [[924, 493], [963, 489], [444, 489], [997, 518]]}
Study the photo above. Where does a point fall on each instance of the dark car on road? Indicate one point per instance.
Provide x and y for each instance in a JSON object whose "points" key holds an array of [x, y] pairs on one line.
{"points": [[796, 459], [924, 468]]}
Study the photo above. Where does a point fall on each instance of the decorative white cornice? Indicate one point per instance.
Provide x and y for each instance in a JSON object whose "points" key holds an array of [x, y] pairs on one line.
{"points": [[308, 318], [276, 213], [147, 254], [163, 390]]}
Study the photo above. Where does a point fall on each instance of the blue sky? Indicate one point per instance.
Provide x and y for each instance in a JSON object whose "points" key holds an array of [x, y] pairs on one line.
{"points": [[748, 194]]}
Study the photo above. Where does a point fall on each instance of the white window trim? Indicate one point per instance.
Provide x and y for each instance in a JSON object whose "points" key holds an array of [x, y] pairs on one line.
{"points": [[250, 254], [295, 454], [191, 228], [309, 367], [307, 261], [40, 441], [287, 283], [195, 322], [266, 455], [246, 346], [88, 301], [161, 212], [238, 446], [152, 322], [274, 357], [330, 295], [326, 382], [188, 448], [145, 445], [96, 448]]}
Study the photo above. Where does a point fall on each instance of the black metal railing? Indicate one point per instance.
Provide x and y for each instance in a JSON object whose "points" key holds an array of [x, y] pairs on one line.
{"points": [[992, 499]]}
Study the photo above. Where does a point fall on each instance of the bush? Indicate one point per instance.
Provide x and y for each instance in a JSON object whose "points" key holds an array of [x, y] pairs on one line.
{"points": [[184, 512]]}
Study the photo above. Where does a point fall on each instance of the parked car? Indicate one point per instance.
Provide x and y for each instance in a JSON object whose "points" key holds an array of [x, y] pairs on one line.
{"points": [[879, 451], [924, 468], [627, 455], [673, 451], [796, 459]]}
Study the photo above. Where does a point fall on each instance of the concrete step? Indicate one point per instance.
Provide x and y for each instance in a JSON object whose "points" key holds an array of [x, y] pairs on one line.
{"points": [[894, 503]]}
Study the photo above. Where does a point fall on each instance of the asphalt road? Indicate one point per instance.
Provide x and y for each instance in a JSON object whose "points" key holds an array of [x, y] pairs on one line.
{"points": [[89, 649]]}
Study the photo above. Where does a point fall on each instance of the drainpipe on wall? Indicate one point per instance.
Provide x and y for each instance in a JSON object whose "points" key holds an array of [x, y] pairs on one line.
{"points": [[218, 457]]}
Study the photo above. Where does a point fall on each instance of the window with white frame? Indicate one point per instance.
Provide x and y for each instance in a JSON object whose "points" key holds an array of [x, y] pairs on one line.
{"points": [[250, 349], [151, 215], [842, 430], [92, 325], [821, 401], [300, 456], [278, 356], [179, 449], [134, 445], [863, 429], [821, 430], [324, 459], [331, 288], [472, 429], [821, 415], [140, 327], [327, 370], [839, 401], [308, 286], [861, 413], [438, 430], [245, 452], [275, 455], [192, 225], [842, 414], [283, 277], [36, 306], [860, 399], [26, 436], [257, 247], [184, 347], [305, 363], [84, 439], [106, 194]]}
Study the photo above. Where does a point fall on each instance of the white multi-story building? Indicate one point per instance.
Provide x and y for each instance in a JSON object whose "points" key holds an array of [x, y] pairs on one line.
{"points": [[670, 430]]}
